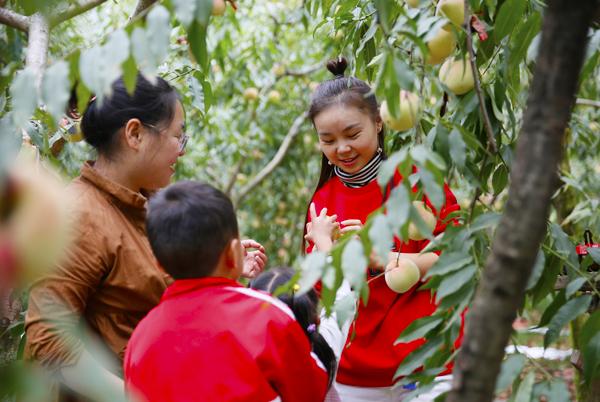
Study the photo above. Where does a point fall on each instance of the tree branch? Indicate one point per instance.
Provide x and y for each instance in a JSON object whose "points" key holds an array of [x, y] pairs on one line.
{"points": [[210, 171], [74, 10], [233, 177], [486, 118], [587, 102], [517, 241], [140, 6], [277, 159], [37, 48], [14, 20]]}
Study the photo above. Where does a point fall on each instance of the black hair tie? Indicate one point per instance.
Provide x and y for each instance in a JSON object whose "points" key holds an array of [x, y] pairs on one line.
{"points": [[339, 76]]}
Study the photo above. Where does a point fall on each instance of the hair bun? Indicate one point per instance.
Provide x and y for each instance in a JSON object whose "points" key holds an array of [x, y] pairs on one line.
{"points": [[338, 67]]}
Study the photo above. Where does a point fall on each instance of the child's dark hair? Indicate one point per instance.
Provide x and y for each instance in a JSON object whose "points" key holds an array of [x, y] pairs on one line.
{"points": [[151, 103], [346, 92], [189, 224], [304, 308]]}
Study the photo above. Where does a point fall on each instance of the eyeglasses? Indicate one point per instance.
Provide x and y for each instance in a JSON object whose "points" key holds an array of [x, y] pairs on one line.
{"points": [[183, 139]]}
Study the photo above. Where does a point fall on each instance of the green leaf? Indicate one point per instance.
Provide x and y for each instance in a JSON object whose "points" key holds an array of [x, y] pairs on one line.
{"points": [[510, 370], [24, 96], [523, 39], [418, 356], [197, 92], [158, 31], [458, 149], [185, 11], [435, 192], [590, 328], [594, 252], [564, 246], [538, 269], [558, 392], [565, 314], [419, 222], [197, 43], [56, 90], [591, 359], [345, 308], [485, 221], [525, 388], [383, 13], [500, 179], [404, 75], [381, 236], [130, 73], [461, 297], [354, 264], [32, 131], [455, 281], [313, 267], [574, 286], [389, 167], [398, 209], [558, 301], [449, 262], [510, 12], [419, 328], [203, 12]]}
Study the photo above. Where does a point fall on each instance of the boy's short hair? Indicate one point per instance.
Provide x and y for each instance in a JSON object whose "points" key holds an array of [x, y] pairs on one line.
{"points": [[189, 224]]}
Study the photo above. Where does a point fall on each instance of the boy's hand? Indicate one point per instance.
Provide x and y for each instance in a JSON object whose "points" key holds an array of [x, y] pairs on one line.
{"points": [[254, 261], [321, 228]]}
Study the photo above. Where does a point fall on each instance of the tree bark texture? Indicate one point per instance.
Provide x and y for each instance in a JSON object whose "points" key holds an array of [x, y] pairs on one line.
{"points": [[37, 48], [14, 20], [513, 251]]}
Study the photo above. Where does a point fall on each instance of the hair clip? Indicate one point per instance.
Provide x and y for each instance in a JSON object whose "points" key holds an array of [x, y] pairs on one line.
{"points": [[339, 76], [312, 328], [296, 288]]}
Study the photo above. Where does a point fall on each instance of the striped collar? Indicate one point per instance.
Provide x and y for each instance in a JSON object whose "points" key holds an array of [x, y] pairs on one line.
{"points": [[363, 177]]}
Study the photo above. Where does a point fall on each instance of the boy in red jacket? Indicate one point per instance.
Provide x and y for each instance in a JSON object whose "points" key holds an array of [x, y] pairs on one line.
{"points": [[211, 339]]}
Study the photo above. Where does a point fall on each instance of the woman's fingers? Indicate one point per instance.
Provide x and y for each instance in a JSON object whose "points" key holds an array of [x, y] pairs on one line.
{"points": [[352, 222], [348, 229]]}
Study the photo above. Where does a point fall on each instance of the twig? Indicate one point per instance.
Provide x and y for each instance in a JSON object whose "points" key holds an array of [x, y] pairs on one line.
{"points": [[486, 118], [210, 171], [476, 195], [277, 159], [140, 6], [233, 177], [576, 269], [587, 102], [563, 281], [74, 10], [14, 20]]}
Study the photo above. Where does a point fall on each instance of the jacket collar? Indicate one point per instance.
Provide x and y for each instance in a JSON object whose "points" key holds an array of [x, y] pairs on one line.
{"points": [[115, 191], [183, 286]]}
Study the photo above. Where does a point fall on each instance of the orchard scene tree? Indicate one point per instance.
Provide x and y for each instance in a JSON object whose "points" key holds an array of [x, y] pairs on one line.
{"points": [[498, 99]]}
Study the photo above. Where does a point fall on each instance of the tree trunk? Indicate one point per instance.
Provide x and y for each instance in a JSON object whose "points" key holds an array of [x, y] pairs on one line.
{"points": [[513, 251]]}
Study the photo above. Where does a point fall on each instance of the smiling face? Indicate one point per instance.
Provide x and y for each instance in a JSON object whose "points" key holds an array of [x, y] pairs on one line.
{"points": [[162, 151], [348, 136]]}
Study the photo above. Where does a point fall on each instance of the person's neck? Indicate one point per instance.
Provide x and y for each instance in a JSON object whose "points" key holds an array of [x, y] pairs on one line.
{"points": [[224, 271], [116, 173]]}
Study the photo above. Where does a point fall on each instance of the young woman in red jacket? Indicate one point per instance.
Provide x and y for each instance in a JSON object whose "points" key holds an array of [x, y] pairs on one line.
{"points": [[351, 135]]}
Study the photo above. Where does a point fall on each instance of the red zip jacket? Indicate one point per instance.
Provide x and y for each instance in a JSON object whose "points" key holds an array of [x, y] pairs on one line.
{"points": [[371, 359], [212, 339]]}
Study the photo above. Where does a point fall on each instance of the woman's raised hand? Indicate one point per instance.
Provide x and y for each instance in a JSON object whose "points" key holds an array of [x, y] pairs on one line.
{"points": [[254, 261]]}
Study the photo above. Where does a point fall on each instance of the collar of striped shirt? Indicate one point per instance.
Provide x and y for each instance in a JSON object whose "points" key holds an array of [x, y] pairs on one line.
{"points": [[363, 177]]}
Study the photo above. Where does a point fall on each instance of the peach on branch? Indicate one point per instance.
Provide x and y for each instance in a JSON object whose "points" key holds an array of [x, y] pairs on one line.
{"points": [[402, 275]]}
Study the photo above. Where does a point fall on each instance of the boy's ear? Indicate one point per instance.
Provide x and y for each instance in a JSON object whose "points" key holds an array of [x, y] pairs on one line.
{"points": [[233, 251]]}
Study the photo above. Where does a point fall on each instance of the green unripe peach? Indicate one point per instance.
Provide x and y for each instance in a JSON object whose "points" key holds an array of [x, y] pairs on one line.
{"points": [[440, 47], [428, 217], [454, 10], [457, 75], [402, 275], [410, 112], [218, 7]]}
